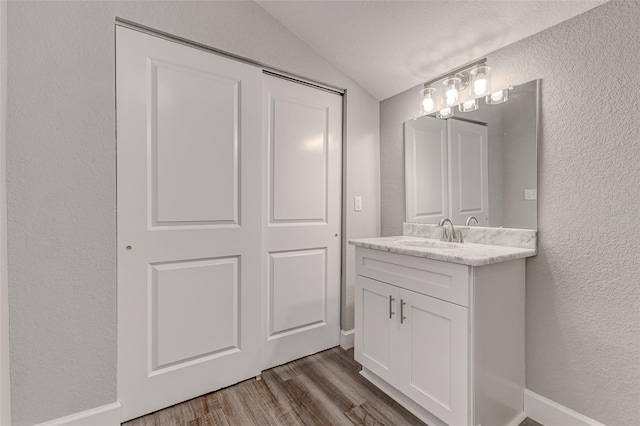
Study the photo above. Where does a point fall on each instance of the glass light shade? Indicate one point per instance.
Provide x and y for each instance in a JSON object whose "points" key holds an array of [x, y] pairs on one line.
{"points": [[445, 113], [451, 88], [428, 100], [480, 81], [469, 106], [498, 97]]}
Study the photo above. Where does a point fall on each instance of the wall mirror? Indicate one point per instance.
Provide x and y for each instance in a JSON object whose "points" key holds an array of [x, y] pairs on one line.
{"points": [[481, 163]]}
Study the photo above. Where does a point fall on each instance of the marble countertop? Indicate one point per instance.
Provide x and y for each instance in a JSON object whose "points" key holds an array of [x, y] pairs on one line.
{"points": [[471, 254]]}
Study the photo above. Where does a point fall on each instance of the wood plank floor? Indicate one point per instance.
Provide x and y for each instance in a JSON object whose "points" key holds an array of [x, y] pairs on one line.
{"points": [[321, 389]]}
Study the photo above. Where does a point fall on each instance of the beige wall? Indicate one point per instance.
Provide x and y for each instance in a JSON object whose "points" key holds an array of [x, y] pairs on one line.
{"points": [[583, 293], [61, 180]]}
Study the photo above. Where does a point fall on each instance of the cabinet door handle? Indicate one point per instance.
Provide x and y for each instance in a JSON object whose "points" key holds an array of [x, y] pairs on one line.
{"points": [[391, 299], [402, 317]]}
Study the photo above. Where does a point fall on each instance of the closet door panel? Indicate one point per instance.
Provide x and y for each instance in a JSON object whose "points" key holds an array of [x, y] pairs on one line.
{"points": [[302, 131], [189, 213]]}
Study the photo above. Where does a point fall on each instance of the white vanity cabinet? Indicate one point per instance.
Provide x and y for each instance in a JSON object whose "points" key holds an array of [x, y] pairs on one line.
{"points": [[445, 340]]}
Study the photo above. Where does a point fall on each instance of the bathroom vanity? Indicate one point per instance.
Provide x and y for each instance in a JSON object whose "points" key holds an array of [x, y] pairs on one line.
{"points": [[439, 326]]}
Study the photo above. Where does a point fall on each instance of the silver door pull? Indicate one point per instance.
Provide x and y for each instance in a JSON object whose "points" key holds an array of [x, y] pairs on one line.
{"points": [[391, 299], [402, 317]]}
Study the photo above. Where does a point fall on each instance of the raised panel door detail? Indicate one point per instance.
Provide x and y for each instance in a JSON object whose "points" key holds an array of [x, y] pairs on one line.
{"points": [[377, 319], [431, 369], [297, 291], [469, 174], [430, 187], [189, 217], [193, 122], [301, 189], [193, 311], [298, 163], [426, 170], [470, 185], [433, 356]]}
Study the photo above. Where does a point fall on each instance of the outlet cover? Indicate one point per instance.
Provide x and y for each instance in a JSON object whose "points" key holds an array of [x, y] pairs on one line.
{"points": [[530, 194]]}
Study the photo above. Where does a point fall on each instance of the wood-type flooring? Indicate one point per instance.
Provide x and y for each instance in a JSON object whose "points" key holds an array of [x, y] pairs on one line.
{"points": [[318, 390]]}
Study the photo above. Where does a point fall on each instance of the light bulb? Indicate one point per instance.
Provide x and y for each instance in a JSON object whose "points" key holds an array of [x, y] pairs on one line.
{"points": [[496, 96], [480, 86], [481, 77], [452, 97], [428, 100], [451, 84], [428, 104]]}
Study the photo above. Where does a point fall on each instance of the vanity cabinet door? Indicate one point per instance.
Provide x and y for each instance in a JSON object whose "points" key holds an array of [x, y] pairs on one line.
{"points": [[434, 342], [376, 320]]}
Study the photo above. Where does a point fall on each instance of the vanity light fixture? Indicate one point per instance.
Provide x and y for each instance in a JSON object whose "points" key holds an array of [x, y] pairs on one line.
{"points": [[462, 87], [499, 97], [481, 80], [452, 86], [469, 106], [445, 112], [428, 100]]}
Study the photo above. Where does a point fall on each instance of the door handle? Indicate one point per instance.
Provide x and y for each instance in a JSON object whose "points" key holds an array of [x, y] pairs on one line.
{"points": [[402, 317], [391, 299]]}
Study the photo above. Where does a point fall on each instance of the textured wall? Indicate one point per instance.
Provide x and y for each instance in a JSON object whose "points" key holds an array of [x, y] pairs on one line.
{"points": [[61, 180], [583, 297]]}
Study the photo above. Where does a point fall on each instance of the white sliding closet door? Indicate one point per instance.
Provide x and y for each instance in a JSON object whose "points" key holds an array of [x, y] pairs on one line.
{"points": [[302, 132], [189, 222]]}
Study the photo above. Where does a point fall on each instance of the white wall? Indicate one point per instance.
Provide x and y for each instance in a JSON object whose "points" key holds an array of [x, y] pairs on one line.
{"points": [[61, 180], [583, 297]]}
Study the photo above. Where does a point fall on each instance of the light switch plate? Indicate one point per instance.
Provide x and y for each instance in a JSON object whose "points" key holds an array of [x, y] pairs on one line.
{"points": [[357, 204], [530, 194]]}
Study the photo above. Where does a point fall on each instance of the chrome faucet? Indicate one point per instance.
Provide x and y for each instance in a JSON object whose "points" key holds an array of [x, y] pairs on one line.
{"points": [[449, 234], [469, 219]]}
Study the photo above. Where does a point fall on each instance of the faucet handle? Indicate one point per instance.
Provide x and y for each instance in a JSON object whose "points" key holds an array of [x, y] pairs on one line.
{"points": [[445, 234]]}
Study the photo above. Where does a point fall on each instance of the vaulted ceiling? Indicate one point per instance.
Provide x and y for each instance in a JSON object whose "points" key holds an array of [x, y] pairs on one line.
{"points": [[390, 46]]}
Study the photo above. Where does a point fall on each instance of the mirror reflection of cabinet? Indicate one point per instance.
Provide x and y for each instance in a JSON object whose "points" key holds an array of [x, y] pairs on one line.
{"points": [[446, 170]]}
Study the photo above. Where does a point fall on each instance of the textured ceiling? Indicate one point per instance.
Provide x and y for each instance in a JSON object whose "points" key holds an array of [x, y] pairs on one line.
{"points": [[390, 46]]}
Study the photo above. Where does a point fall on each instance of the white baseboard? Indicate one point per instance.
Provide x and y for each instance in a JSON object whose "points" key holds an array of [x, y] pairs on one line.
{"points": [[346, 339], [107, 415], [550, 413], [519, 418]]}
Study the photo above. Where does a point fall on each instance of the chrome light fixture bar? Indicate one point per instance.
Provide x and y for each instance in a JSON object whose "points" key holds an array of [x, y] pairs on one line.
{"points": [[462, 87]]}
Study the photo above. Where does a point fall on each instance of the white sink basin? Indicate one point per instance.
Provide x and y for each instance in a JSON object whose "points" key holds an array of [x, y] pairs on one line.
{"points": [[429, 244]]}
